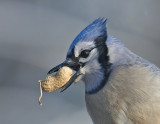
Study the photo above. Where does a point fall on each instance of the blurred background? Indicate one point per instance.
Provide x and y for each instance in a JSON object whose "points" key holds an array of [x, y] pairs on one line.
{"points": [[35, 36]]}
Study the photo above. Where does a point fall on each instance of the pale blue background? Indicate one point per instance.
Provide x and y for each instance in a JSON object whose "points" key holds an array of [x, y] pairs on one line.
{"points": [[35, 36]]}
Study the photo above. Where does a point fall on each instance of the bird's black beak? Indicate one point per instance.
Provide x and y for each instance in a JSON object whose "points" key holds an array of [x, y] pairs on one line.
{"points": [[73, 65], [69, 63]]}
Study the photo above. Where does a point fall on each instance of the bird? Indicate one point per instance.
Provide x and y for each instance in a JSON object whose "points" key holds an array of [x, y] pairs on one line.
{"points": [[120, 86]]}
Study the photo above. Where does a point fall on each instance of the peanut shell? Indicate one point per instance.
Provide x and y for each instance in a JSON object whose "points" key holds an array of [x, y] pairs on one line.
{"points": [[54, 82]]}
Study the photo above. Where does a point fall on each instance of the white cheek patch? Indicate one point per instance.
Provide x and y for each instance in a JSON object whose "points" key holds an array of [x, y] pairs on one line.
{"points": [[80, 46], [91, 67]]}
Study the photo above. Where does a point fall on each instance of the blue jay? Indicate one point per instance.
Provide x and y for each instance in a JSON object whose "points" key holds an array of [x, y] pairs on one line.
{"points": [[120, 86]]}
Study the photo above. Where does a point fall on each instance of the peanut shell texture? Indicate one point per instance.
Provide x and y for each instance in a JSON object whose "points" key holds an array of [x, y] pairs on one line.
{"points": [[55, 82]]}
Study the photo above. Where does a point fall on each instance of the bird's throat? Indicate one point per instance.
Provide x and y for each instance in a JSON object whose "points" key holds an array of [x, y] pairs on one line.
{"points": [[96, 81]]}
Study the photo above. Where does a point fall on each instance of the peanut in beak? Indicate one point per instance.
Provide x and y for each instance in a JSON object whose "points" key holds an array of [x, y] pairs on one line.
{"points": [[54, 82]]}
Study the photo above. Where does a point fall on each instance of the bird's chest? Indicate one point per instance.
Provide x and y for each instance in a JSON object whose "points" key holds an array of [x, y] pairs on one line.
{"points": [[106, 106], [98, 107]]}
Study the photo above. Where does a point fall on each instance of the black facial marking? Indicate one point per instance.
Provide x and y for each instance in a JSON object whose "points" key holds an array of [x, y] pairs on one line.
{"points": [[103, 59], [72, 56]]}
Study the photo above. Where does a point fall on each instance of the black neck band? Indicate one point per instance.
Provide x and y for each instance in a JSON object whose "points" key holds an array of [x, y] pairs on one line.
{"points": [[103, 59]]}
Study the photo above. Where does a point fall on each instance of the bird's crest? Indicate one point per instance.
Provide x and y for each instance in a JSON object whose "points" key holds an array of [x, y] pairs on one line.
{"points": [[95, 29]]}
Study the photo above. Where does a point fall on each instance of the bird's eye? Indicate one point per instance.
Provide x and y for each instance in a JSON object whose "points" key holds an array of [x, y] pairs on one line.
{"points": [[85, 53]]}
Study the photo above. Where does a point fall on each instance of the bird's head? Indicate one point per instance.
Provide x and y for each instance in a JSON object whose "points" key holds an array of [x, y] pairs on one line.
{"points": [[88, 53]]}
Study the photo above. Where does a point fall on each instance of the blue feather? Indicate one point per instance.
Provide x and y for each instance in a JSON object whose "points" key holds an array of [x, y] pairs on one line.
{"points": [[93, 30]]}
